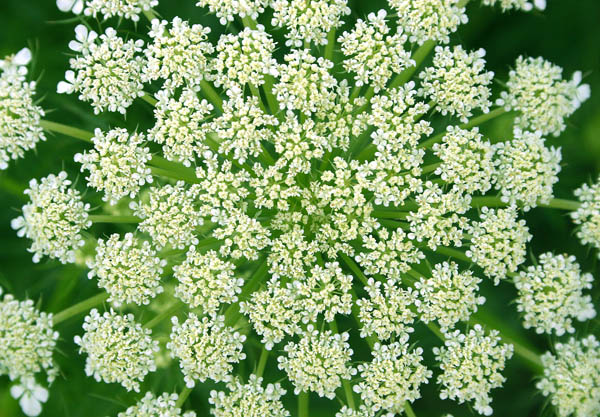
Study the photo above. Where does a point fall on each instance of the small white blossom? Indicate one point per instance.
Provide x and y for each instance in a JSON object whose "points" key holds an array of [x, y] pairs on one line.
{"points": [[362, 411], [31, 396], [467, 160], [107, 72], [372, 54], [516, 4], [180, 125], [165, 405], [551, 294], [20, 117], [308, 21], [472, 366], [169, 215], [54, 218], [448, 296], [227, 10], [392, 378], [249, 400], [245, 58], [206, 281], [587, 215], [179, 54], [128, 269], [526, 170], [457, 82], [544, 100], [572, 377], [119, 349], [117, 164], [427, 20], [75, 6], [318, 362], [387, 312], [206, 348], [129, 9], [498, 242]]}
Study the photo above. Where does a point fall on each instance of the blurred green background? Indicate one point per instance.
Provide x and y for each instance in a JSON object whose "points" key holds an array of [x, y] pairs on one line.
{"points": [[568, 34]]}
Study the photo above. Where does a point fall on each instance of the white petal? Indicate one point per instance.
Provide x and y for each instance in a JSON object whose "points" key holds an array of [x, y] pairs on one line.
{"points": [[577, 77], [81, 33], [30, 406], [40, 393], [540, 4], [23, 57], [78, 7], [583, 92], [64, 5], [16, 391], [64, 87], [75, 46], [70, 76]]}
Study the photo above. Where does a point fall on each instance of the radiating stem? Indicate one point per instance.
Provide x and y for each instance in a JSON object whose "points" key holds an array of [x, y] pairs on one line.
{"points": [[149, 99], [454, 253], [345, 382], [150, 15], [66, 130], [232, 313], [106, 218], [160, 172], [389, 214], [556, 203], [330, 44], [167, 312], [472, 123], [79, 308], [211, 94], [183, 396], [271, 99], [419, 56], [408, 410], [303, 404], [262, 362], [354, 268]]}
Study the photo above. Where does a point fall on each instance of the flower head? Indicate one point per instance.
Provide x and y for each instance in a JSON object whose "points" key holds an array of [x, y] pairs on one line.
{"points": [[227, 10], [53, 219], [118, 349], [472, 366], [587, 215], [516, 4], [129, 9], [165, 405], [31, 396]]}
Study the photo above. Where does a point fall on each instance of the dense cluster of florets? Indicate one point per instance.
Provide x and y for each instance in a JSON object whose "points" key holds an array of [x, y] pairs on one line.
{"points": [[152, 406]]}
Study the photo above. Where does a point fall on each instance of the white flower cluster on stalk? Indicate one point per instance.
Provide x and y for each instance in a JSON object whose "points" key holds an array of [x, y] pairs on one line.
{"points": [[152, 406], [572, 377], [308, 186], [118, 349], [20, 117]]}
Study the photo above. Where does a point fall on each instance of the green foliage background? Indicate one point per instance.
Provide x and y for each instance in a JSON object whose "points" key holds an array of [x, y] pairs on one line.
{"points": [[568, 34]]}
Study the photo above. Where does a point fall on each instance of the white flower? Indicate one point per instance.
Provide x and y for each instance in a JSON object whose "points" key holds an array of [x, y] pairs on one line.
{"points": [[393, 377], [472, 366], [429, 19], [587, 216], [206, 349], [551, 294], [526, 170], [572, 377], [318, 362], [457, 82], [226, 10], [517, 4], [75, 6], [84, 39], [30, 396], [249, 400], [128, 269], [119, 349], [129, 9], [544, 100], [54, 218], [165, 405], [117, 164]]}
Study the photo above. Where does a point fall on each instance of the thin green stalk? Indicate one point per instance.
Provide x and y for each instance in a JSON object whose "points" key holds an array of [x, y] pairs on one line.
{"points": [[232, 313], [79, 308], [256, 93], [106, 218], [303, 403], [419, 56], [149, 99], [454, 253], [330, 45], [555, 203], [389, 214], [167, 312], [262, 362], [271, 99], [472, 123], [66, 130], [431, 168], [354, 268], [249, 22], [408, 410], [345, 382], [160, 172], [211, 94], [183, 396], [150, 15]]}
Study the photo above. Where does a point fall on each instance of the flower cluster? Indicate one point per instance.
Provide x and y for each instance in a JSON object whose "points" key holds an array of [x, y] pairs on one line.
{"points": [[587, 215], [472, 364], [152, 406], [119, 349], [129, 9], [20, 117]]}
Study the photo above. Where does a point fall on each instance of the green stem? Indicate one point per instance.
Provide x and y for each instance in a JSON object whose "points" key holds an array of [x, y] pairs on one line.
{"points": [[389, 214], [183, 396], [419, 56], [262, 362], [106, 218], [354, 268], [232, 313], [66, 130], [80, 307], [408, 410], [256, 93], [472, 123], [454, 253], [330, 45], [169, 311], [345, 382], [160, 172], [249, 22], [303, 402], [430, 168], [150, 15], [211, 94], [149, 99], [271, 99], [555, 203]]}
